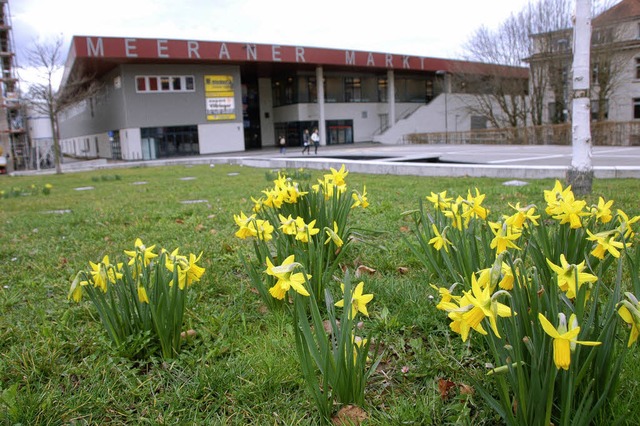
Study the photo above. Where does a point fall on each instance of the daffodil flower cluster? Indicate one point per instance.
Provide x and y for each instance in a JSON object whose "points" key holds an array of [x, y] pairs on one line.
{"points": [[309, 223], [299, 234], [142, 300], [32, 189], [536, 287]]}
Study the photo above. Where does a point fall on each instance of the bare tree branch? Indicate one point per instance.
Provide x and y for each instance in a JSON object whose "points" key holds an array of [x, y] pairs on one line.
{"points": [[44, 98]]}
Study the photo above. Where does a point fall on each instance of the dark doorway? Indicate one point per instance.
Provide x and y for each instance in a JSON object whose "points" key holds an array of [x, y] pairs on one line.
{"points": [[251, 112]]}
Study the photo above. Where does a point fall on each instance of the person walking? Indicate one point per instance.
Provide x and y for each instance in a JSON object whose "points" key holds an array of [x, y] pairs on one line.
{"points": [[283, 145], [305, 142], [315, 138]]}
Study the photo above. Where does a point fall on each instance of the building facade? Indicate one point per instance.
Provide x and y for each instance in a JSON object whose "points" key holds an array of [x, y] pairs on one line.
{"points": [[615, 66], [162, 98]]}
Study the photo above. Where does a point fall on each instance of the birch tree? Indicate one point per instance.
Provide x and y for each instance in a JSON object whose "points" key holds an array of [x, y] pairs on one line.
{"points": [[580, 174]]}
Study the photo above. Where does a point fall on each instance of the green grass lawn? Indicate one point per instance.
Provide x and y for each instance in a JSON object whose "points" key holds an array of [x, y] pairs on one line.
{"points": [[56, 365]]}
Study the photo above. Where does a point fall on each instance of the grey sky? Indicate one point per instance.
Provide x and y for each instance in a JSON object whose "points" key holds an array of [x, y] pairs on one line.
{"points": [[414, 27]]}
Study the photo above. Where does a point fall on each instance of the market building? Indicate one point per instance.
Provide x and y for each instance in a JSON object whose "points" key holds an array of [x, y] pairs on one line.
{"points": [[160, 98]]}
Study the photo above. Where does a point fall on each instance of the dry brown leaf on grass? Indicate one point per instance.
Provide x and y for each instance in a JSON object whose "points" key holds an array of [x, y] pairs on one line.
{"points": [[362, 269], [466, 389], [180, 221], [349, 415], [403, 270], [199, 227], [404, 229], [444, 387]]}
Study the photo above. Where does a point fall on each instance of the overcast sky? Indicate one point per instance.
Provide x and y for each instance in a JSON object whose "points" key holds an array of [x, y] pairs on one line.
{"points": [[414, 27]]}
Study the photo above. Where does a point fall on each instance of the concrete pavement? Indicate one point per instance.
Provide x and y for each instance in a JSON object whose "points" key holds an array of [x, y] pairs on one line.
{"points": [[502, 161]]}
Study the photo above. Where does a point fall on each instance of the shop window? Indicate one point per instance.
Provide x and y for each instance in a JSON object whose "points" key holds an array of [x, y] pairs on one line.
{"points": [[174, 83], [352, 89]]}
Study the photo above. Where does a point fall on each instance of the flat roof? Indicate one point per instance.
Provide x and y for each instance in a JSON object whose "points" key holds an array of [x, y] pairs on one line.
{"points": [[97, 55]]}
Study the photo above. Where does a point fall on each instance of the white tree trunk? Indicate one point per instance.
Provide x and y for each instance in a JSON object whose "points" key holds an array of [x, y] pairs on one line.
{"points": [[580, 174]]}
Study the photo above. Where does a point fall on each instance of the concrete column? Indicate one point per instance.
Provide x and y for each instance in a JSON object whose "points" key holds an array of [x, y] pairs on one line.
{"points": [[391, 98], [321, 120]]}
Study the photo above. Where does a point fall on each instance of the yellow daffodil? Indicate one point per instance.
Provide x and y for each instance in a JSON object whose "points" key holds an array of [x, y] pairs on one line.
{"points": [[440, 200], [554, 196], [332, 235], [274, 198], [338, 176], [144, 251], [75, 291], [504, 237], [473, 206], [286, 278], [358, 300], [504, 277], [571, 211], [288, 225], [358, 344], [625, 224], [257, 204], [360, 200], [446, 298], [142, 294], [571, 277], [629, 311], [605, 242], [602, 211], [328, 187], [188, 271], [522, 216], [563, 340], [264, 230], [485, 305], [305, 230], [103, 273], [453, 213], [291, 193], [247, 229], [439, 241], [475, 306]]}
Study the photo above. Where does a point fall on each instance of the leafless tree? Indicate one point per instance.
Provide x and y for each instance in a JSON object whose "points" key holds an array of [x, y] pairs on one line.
{"points": [[500, 96], [540, 35], [47, 59]]}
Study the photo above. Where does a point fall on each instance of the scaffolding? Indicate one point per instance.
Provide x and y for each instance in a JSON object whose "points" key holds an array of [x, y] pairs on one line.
{"points": [[13, 127]]}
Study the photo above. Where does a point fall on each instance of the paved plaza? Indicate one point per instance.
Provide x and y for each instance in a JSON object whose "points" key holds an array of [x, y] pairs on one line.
{"points": [[503, 161]]}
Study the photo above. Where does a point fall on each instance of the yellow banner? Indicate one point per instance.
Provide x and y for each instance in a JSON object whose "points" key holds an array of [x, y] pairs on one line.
{"points": [[219, 97]]}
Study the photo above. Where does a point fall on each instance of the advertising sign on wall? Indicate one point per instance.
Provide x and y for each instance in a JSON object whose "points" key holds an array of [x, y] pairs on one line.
{"points": [[219, 97]]}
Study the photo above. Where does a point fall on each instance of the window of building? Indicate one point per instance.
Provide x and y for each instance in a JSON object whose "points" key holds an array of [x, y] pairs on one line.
{"points": [[429, 90], [382, 90], [284, 91], [173, 83], [637, 68], [352, 89], [636, 108]]}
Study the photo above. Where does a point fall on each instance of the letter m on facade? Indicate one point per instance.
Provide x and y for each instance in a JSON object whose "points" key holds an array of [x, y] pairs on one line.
{"points": [[349, 57], [95, 50]]}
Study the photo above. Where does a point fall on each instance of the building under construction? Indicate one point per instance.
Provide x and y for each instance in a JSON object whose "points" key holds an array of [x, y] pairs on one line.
{"points": [[13, 134]]}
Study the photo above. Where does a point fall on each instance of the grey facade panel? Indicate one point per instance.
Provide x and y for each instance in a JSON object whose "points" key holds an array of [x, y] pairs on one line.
{"points": [[124, 107], [100, 114], [173, 109]]}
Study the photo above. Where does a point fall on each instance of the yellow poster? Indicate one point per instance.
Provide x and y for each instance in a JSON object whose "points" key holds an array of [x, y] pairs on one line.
{"points": [[219, 97]]}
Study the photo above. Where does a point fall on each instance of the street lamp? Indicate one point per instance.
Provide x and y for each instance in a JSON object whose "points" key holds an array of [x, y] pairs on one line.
{"points": [[446, 108]]}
